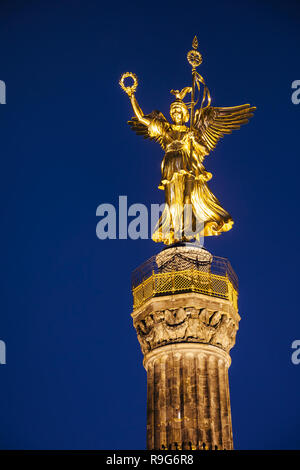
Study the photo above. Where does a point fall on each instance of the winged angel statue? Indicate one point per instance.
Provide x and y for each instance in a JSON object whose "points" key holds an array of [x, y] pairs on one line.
{"points": [[191, 210]]}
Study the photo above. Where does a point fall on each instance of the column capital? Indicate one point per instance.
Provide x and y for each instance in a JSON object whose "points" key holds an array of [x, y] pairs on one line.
{"points": [[186, 318]]}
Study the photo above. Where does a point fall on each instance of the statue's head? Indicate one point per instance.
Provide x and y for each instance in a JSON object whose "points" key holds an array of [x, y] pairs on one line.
{"points": [[178, 110]]}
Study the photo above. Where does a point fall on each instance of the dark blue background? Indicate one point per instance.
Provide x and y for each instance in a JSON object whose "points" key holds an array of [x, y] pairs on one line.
{"points": [[74, 376]]}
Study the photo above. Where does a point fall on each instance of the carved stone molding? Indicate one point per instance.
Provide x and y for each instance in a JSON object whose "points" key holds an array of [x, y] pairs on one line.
{"points": [[185, 324]]}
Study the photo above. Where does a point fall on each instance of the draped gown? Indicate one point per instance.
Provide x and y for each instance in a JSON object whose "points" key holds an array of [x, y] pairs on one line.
{"points": [[184, 180]]}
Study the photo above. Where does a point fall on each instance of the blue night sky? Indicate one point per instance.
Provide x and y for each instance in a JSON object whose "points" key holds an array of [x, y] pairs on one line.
{"points": [[74, 377]]}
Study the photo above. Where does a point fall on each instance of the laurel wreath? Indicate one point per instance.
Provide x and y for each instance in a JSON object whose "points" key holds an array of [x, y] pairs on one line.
{"points": [[129, 89]]}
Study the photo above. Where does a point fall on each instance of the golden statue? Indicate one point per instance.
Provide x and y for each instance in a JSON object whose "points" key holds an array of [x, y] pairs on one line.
{"points": [[184, 178]]}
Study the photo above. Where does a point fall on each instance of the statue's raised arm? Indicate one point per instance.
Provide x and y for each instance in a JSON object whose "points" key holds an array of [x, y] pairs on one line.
{"points": [[130, 90], [154, 125]]}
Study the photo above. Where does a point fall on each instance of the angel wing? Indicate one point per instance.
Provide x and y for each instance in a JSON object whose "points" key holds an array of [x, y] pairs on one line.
{"points": [[212, 122], [141, 129]]}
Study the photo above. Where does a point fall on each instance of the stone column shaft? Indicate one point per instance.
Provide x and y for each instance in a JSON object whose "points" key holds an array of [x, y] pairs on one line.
{"points": [[187, 399]]}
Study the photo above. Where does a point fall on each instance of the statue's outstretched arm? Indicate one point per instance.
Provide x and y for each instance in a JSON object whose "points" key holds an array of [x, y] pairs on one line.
{"points": [[137, 110], [130, 91]]}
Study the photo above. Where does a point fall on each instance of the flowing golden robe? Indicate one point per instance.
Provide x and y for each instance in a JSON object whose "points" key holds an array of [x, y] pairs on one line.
{"points": [[184, 180]]}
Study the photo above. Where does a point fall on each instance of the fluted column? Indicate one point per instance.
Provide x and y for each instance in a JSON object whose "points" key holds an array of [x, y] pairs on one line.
{"points": [[187, 399]]}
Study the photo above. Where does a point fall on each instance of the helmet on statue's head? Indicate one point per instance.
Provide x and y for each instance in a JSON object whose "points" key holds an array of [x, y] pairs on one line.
{"points": [[179, 103]]}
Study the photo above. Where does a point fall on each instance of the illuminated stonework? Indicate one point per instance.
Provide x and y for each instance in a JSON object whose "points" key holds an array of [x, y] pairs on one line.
{"points": [[188, 318], [186, 338], [188, 397]]}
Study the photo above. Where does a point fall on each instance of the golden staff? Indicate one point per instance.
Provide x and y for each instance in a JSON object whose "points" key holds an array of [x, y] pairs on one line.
{"points": [[195, 59]]}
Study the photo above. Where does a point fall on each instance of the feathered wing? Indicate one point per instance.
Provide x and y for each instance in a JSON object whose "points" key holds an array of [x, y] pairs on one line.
{"points": [[141, 129], [212, 123]]}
